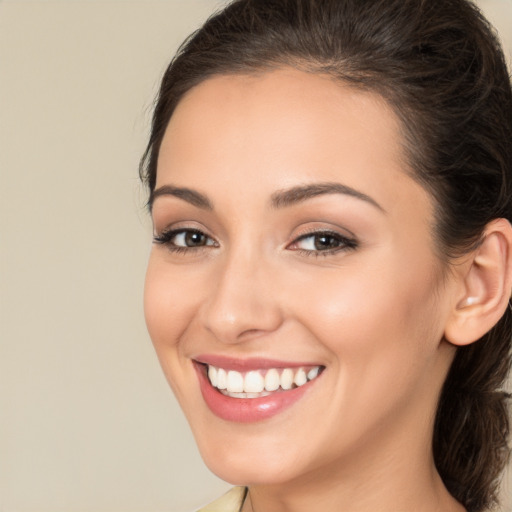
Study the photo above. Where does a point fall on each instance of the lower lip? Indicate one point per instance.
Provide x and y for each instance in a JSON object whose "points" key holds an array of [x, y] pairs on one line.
{"points": [[247, 410]]}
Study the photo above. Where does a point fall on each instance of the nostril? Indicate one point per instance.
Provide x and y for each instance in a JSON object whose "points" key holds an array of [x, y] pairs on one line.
{"points": [[241, 320], [242, 304], [251, 333]]}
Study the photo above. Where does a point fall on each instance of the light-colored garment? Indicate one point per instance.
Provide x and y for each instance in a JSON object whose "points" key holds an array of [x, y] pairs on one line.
{"points": [[230, 502]]}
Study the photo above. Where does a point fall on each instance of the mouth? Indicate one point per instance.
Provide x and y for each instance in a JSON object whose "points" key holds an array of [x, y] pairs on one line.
{"points": [[261, 382], [247, 391]]}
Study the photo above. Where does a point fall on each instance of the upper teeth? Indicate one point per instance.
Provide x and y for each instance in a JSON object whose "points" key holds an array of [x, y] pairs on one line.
{"points": [[259, 381]]}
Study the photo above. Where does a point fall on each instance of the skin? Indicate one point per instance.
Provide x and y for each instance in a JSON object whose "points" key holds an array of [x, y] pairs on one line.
{"points": [[374, 315]]}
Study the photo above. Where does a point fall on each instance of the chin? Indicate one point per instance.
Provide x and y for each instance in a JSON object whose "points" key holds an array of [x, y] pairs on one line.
{"points": [[251, 461], [249, 472]]}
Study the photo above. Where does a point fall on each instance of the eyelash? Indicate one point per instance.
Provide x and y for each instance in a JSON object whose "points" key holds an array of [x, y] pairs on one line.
{"points": [[166, 238], [345, 244]]}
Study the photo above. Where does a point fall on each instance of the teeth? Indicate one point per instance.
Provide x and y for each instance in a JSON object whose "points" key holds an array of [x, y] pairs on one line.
{"points": [[300, 378], [312, 374], [287, 378], [272, 380], [244, 395], [254, 382], [222, 379], [212, 375], [257, 383], [235, 382]]}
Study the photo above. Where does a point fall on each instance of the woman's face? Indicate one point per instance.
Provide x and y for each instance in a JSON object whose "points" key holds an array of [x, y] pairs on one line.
{"points": [[293, 250]]}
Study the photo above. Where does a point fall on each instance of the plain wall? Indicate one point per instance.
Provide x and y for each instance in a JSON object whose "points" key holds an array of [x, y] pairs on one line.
{"points": [[87, 422]]}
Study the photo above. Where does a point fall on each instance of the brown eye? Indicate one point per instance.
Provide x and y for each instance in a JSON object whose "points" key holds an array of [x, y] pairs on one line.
{"points": [[193, 239], [323, 242], [184, 239]]}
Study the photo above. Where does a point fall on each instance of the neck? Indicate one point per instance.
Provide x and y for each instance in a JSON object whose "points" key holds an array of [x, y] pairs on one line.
{"points": [[340, 498], [400, 477]]}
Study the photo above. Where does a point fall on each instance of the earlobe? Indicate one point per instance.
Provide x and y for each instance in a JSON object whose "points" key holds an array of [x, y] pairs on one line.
{"points": [[486, 286]]}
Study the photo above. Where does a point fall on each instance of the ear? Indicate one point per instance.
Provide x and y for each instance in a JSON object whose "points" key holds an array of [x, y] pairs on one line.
{"points": [[486, 285]]}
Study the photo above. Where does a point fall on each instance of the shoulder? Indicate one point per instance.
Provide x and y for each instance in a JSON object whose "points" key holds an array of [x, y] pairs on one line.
{"points": [[229, 502]]}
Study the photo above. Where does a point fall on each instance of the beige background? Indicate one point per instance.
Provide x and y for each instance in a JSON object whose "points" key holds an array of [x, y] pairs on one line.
{"points": [[87, 422]]}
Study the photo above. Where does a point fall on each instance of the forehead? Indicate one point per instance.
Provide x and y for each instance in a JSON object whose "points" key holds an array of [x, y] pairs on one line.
{"points": [[287, 125], [286, 102]]}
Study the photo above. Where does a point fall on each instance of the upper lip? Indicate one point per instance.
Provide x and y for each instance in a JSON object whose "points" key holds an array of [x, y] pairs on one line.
{"points": [[248, 364]]}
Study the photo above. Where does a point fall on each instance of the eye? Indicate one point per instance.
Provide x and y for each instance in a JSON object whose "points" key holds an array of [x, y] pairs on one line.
{"points": [[190, 239], [184, 239], [325, 242]]}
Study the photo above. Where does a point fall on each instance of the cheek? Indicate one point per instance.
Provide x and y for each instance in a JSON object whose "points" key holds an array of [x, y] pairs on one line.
{"points": [[169, 302], [376, 316], [169, 306], [382, 333]]}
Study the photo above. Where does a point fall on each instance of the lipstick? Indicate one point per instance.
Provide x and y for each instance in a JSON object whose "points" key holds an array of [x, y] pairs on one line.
{"points": [[270, 386]]}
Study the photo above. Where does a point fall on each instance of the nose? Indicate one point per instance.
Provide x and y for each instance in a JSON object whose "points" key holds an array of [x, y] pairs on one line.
{"points": [[243, 300]]}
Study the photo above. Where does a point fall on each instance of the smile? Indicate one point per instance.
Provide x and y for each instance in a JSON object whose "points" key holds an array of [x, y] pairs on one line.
{"points": [[253, 390], [261, 382]]}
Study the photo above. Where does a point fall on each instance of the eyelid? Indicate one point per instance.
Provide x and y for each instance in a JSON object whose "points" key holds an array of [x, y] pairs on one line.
{"points": [[346, 242], [178, 226], [167, 234], [316, 228]]}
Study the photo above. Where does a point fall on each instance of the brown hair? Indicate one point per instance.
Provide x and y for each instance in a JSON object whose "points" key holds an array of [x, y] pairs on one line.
{"points": [[439, 65]]}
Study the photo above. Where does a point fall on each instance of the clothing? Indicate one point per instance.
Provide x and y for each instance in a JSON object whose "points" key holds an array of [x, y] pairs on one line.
{"points": [[232, 501]]}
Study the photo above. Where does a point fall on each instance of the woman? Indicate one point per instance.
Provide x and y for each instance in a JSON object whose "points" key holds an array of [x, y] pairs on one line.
{"points": [[329, 288]]}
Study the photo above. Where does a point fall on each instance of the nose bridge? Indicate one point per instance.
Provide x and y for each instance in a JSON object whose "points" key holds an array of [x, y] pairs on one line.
{"points": [[242, 302]]}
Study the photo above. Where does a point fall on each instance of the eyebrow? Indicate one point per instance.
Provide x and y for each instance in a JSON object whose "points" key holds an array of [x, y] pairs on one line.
{"points": [[279, 199], [289, 197], [190, 196]]}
